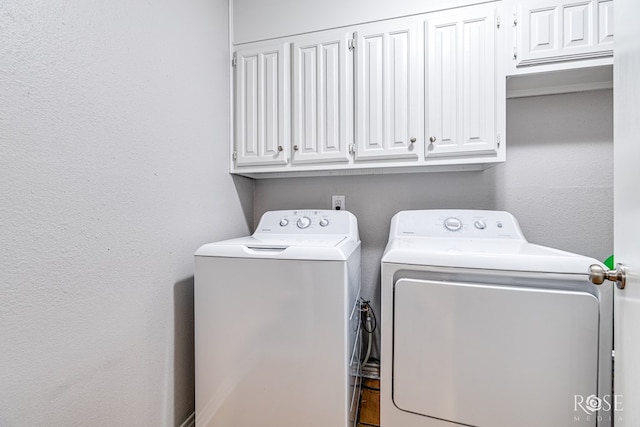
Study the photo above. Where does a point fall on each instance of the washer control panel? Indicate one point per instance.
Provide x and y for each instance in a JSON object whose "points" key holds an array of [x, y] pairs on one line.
{"points": [[307, 222], [456, 223]]}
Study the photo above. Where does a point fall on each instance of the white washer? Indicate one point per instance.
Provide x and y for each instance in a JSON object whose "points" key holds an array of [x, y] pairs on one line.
{"points": [[482, 328], [276, 323]]}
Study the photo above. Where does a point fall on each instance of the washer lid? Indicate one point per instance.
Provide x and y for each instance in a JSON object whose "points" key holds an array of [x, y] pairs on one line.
{"points": [[327, 248], [296, 234], [491, 254]]}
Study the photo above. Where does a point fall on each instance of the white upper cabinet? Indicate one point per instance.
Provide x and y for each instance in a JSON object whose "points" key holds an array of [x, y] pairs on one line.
{"points": [[322, 97], [423, 92], [552, 31], [461, 80], [262, 99], [388, 90], [365, 99]]}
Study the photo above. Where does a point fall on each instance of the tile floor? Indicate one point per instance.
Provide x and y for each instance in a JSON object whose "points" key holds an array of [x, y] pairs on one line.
{"points": [[369, 403]]}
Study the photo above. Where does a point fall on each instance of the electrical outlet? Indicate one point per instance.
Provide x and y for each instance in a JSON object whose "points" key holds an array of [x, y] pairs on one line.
{"points": [[338, 202]]}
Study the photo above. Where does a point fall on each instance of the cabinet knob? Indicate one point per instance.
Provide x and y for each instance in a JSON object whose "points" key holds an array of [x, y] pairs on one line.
{"points": [[295, 147], [412, 140], [280, 148], [432, 139]]}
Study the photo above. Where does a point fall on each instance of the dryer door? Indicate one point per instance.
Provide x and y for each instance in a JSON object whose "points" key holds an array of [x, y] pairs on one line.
{"points": [[491, 355]]}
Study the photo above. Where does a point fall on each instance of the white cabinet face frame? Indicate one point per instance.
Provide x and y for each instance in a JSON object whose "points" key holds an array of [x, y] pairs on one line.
{"points": [[388, 90], [262, 99], [322, 97], [461, 83], [550, 31]]}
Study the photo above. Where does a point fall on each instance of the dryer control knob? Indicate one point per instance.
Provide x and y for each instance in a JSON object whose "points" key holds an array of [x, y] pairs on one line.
{"points": [[324, 222], [284, 222], [480, 224], [304, 222], [452, 224]]}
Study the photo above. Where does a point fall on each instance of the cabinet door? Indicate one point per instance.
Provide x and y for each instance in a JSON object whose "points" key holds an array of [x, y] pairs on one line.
{"points": [[550, 31], [262, 99], [322, 97], [388, 90], [461, 81]]}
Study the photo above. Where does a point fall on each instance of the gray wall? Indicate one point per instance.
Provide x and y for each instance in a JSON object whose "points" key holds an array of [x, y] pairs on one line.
{"points": [[114, 170], [262, 19], [557, 181]]}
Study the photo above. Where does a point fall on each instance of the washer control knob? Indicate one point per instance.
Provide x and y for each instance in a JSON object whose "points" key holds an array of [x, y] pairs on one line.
{"points": [[452, 224], [480, 224], [324, 222], [284, 222], [304, 222]]}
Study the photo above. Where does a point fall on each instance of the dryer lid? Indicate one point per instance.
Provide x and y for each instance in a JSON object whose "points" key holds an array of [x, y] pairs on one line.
{"points": [[485, 254], [473, 239]]}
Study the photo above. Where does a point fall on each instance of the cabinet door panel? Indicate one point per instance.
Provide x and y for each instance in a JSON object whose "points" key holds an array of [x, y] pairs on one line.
{"points": [[388, 92], [247, 105], [461, 84], [478, 85], [269, 127], [605, 22], [543, 34], [262, 105], [560, 30], [321, 92], [370, 102], [577, 25], [443, 83], [399, 90]]}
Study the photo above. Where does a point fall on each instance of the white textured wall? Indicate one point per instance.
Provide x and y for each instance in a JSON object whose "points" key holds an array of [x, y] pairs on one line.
{"points": [[557, 181], [113, 167]]}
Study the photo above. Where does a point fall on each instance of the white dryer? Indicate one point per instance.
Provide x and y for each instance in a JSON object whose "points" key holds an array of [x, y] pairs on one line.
{"points": [[276, 323], [482, 328]]}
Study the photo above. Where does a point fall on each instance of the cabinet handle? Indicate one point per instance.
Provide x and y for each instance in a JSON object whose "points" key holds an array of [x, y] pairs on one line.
{"points": [[432, 139], [280, 148], [295, 147], [412, 140]]}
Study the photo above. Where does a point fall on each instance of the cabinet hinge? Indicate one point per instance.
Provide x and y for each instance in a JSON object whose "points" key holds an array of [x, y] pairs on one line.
{"points": [[515, 52], [235, 155], [352, 148], [234, 61], [498, 22], [498, 140], [515, 19], [352, 44]]}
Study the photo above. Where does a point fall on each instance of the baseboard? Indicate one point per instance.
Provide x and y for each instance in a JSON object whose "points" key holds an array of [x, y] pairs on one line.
{"points": [[190, 421]]}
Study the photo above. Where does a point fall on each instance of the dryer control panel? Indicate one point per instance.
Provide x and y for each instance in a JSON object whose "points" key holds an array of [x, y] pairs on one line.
{"points": [[310, 221], [451, 223]]}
